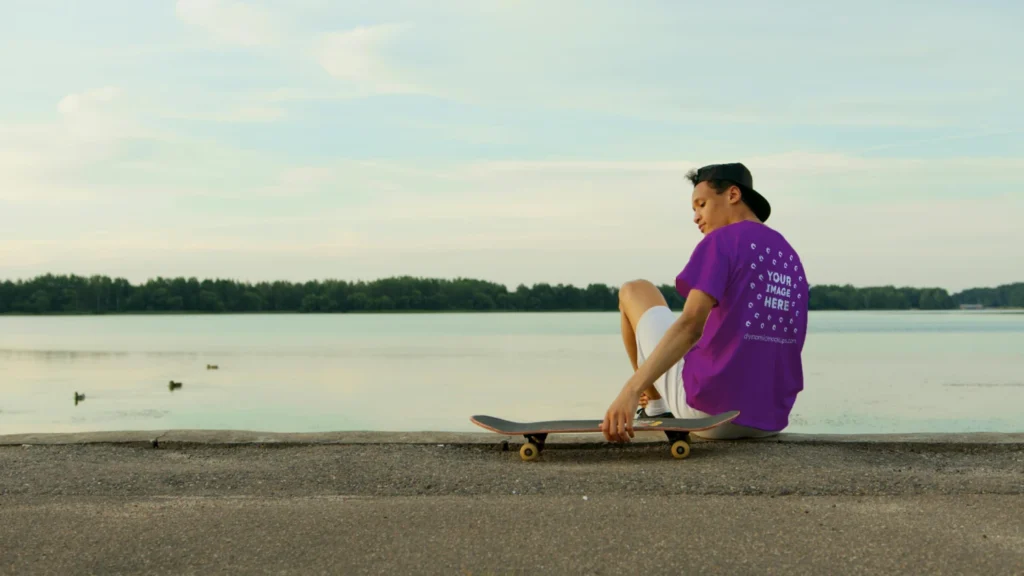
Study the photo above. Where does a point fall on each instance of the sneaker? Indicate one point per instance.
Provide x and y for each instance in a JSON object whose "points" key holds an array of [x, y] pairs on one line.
{"points": [[642, 413]]}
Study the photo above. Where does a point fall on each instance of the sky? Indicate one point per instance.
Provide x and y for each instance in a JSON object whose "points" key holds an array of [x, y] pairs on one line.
{"points": [[514, 141]]}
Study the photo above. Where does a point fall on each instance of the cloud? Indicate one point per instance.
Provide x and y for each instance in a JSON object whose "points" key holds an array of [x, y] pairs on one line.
{"points": [[136, 245], [909, 77], [359, 56], [98, 146], [854, 219], [229, 21], [203, 206], [236, 114], [40, 161], [255, 114], [948, 242], [471, 133], [91, 124], [305, 176], [257, 108], [75, 103], [583, 166]]}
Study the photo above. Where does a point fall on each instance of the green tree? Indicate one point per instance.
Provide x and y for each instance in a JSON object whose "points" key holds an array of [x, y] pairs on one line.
{"points": [[358, 301], [209, 301], [600, 297], [40, 302], [251, 301], [310, 303], [482, 301], [50, 294], [1015, 296]]}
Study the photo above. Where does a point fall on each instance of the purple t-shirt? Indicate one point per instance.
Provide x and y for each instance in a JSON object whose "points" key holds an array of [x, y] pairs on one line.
{"points": [[749, 356]]}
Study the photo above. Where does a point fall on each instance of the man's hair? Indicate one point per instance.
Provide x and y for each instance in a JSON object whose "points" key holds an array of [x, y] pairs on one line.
{"points": [[718, 186]]}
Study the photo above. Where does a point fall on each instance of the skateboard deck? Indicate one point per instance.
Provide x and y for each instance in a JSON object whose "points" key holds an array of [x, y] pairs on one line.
{"points": [[677, 430]]}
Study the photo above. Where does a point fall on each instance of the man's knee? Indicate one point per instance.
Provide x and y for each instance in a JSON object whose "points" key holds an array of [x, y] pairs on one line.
{"points": [[636, 289], [638, 296]]}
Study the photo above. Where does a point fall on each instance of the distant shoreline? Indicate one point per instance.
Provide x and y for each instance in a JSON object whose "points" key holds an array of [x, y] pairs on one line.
{"points": [[51, 295], [993, 310]]}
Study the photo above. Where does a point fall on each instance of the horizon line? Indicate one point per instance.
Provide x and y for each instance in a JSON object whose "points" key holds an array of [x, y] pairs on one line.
{"points": [[509, 287]]}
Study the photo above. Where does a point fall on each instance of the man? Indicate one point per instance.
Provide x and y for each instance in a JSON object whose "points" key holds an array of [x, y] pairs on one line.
{"points": [[738, 341]]}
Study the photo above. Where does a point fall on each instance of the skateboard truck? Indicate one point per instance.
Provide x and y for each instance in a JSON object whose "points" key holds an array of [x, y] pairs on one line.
{"points": [[533, 446]]}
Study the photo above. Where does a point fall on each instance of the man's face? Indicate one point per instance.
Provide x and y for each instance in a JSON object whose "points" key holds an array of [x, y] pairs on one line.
{"points": [[710, 209]]}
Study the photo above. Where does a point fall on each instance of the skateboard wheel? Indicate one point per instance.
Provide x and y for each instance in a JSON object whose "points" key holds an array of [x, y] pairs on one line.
{"points": [[529, 451], [680, 449]]}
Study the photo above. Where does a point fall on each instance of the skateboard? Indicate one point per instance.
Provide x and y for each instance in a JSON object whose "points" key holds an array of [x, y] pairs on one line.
{"points": [[677, 429]]}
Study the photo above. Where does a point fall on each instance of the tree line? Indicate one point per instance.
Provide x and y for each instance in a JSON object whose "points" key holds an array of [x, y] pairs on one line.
{"points": [[52, 294]]}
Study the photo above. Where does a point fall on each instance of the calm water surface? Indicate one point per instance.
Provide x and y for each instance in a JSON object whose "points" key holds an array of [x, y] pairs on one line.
{"points": [[865, 372]]}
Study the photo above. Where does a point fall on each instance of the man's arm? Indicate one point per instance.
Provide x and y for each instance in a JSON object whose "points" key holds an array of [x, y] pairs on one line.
{"points": [[677, 341]]}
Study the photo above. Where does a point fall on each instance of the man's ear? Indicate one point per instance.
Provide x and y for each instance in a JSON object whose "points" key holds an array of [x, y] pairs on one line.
{"points": [[735, 194]]}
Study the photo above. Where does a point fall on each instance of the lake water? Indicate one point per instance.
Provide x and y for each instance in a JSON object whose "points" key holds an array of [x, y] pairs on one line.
{"points": [[866, 372]]}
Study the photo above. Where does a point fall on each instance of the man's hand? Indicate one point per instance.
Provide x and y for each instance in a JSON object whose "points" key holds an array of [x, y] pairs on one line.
{"points": [[618, 421]]}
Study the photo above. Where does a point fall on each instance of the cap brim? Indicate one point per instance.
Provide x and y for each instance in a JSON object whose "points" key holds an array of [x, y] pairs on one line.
{"points": [[758, 204]]}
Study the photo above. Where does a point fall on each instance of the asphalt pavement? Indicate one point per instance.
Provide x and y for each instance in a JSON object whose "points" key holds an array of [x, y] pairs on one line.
{"points": [[811, 507]]}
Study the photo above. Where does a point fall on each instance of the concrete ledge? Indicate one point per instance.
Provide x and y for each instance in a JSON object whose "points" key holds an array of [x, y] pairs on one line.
{"points": [[236, 437], [914, 438]]}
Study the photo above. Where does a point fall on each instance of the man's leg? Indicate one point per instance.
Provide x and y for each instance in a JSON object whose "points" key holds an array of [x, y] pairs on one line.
{"points": [[635, 298], [629, 338]]}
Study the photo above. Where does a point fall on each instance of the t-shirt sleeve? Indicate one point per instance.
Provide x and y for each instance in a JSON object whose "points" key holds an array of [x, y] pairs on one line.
{"points": [[707, 270]]}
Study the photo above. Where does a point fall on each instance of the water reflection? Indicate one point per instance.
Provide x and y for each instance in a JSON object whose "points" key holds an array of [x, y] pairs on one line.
{"points": [[354, 351], [54, 355], [987, 385], [869, 373]]}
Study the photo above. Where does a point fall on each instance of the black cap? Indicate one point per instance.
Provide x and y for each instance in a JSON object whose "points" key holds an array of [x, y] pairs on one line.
{"points": [[738, 174]]}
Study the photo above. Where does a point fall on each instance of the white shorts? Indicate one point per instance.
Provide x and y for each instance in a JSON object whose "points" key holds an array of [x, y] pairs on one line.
{"points": [[649, 330]]}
